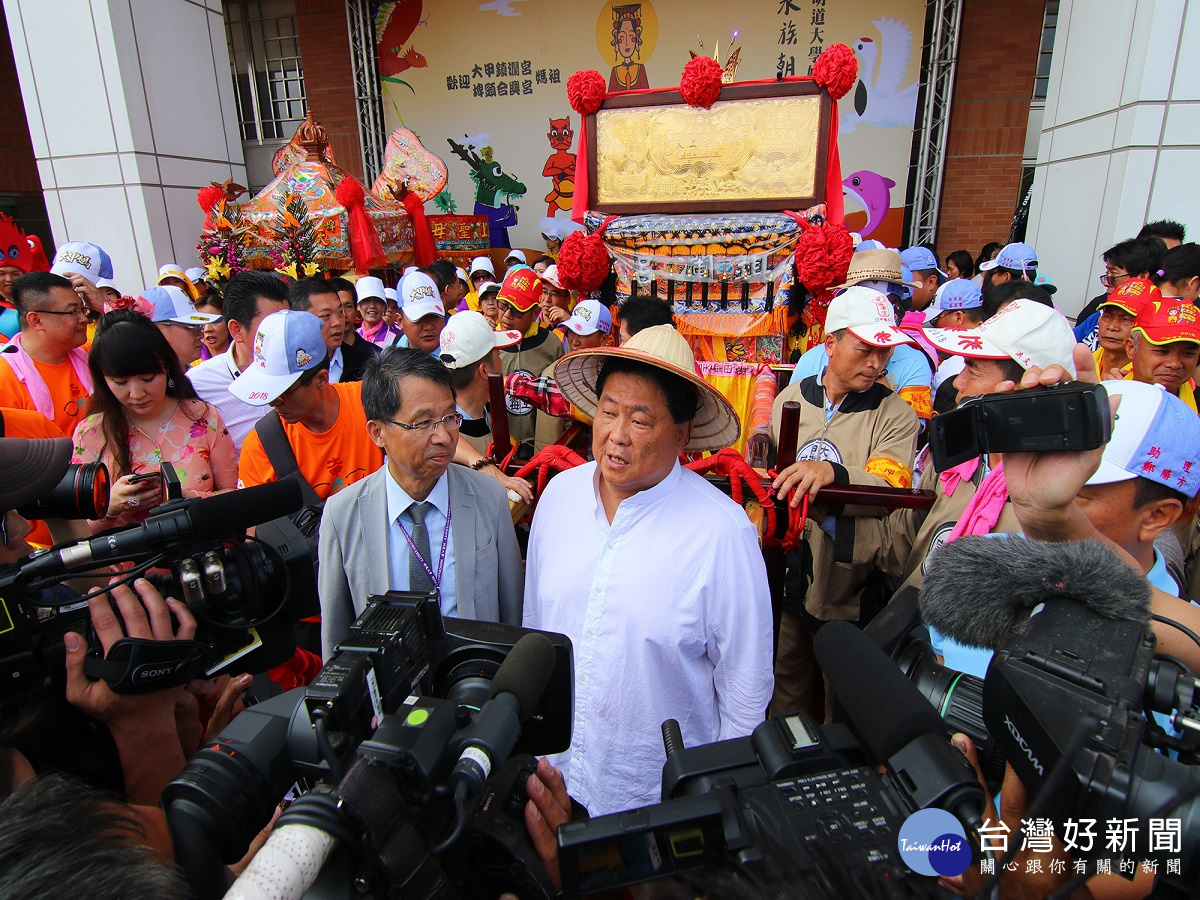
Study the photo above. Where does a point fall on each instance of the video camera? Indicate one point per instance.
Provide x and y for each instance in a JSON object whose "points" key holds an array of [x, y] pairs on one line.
{"points": [[1070, 690], [245, 592], [409, 728]]}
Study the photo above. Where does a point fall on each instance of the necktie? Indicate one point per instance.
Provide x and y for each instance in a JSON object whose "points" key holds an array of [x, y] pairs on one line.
{"points": [[418, 578]]}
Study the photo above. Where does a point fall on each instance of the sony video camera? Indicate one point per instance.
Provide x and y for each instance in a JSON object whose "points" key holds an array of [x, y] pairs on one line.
{"points": [[245, 592], [408, 729]]}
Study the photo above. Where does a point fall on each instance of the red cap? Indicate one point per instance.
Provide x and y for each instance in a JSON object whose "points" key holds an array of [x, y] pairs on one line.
{"points": [[1166, 321], [522, 289], [1131, 296]]}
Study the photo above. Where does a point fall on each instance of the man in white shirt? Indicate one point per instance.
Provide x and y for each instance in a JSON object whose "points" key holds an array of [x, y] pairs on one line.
{"points": [[249, 298], [654, 574], [320, 297]]}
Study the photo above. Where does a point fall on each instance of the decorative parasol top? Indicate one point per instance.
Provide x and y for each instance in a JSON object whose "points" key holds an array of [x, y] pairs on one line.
{"points": [[313, 138]]}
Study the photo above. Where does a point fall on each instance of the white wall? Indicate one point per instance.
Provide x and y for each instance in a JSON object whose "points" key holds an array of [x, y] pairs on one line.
{"points": [[131, 110], [1120, 140]]}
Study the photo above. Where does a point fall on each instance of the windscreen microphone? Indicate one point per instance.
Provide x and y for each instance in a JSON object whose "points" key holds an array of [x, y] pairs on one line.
{"points": [[899, 727], [515, 692], [979, 589], [208, 519]]}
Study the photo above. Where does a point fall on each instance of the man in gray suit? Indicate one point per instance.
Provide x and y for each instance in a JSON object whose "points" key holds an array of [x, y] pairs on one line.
{"points": [[418, 523]]}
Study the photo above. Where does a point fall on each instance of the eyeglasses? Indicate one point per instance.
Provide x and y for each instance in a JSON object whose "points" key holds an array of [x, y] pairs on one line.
{"points": [[195, 328], [1113, 280], [79, 312], [429, 426]]}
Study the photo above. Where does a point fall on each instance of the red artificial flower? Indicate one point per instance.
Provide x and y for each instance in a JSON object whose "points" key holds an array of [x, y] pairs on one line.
{"points": [[585, 91], [823, 256], [582, 262], [208, 197], [700, 83], [836, 70]]}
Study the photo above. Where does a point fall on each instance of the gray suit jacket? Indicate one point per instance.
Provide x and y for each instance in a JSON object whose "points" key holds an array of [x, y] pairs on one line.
{"points": [[489, 577]]}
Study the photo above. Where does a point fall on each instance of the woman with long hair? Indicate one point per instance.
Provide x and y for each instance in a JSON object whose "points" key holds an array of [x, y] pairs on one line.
{"points": [[1178, 274], [144, 413]]}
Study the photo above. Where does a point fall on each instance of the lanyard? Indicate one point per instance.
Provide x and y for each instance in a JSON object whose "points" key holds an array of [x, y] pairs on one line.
{"points": [[436, 579]]}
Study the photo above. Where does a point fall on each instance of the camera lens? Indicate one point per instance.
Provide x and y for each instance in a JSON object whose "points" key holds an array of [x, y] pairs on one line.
{"points": [[958, 698], [82, 493]]}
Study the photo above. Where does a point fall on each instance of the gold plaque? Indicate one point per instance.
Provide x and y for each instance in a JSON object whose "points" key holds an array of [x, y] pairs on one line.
{"points": [[748, 153]]}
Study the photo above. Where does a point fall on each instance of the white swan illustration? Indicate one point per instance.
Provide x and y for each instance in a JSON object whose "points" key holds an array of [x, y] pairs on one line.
{"points": [[879, 100]]}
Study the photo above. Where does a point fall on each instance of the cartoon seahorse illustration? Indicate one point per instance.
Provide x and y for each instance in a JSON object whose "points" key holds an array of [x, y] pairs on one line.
{"points": [[560, 166]]}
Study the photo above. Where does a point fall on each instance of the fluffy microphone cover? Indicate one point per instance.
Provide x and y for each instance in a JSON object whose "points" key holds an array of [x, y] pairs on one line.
{"points": [[978, 589]]}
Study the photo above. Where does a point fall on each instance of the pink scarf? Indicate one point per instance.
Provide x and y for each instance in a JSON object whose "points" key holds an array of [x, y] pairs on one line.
{"points": [[26, 371], [983, 510], [377, 335], [952, 478]]}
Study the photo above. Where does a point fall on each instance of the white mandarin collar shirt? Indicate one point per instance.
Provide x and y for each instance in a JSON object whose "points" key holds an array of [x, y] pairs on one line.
{"points": [[399, 552], [669, 613]]}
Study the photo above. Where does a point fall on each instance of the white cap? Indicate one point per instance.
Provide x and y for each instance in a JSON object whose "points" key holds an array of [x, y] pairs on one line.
{"points": [[107, 283], [171, 270], [288, 343], [171, 305], [408, 270], [518, 255], [589, 317], [389, 294], [468, 338], [195, 274], [369, 286], [868, 315], [482, 264], [551, 275], [1025, 331], [419, 297], [82, 258], [1155, 436], [462, 274]]}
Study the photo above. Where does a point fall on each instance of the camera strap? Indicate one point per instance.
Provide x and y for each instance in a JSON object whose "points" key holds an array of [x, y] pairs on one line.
{"points": [[141, 665], [282, 457]]}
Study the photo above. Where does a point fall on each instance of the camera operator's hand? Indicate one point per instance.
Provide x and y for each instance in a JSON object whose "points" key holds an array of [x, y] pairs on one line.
{"points": [[129, 496], [805, 476], [142, 725], [549, 806], [1019, 883]]}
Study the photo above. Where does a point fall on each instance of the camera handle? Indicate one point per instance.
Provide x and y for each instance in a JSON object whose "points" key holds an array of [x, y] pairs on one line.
{"points": [[141, 665]]}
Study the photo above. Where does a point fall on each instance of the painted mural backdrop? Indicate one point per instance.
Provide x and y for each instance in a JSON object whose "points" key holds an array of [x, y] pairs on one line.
{"points": [[483, 84]]}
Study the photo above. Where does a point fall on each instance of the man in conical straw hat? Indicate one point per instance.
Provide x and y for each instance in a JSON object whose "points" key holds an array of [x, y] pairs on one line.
{"points": [[654, 574]]}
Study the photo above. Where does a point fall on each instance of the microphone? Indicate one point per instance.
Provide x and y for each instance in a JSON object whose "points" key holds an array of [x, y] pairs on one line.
{"points": [[978, 589], [899, 727], [514, 694], [200, 520]]}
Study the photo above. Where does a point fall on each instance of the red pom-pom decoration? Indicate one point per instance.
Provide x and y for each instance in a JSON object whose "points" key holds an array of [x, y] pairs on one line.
{"points": [[700, 83], [823, 256], [349, 193], [210, 196], [836, 70], [583, 262], [585, 91]]}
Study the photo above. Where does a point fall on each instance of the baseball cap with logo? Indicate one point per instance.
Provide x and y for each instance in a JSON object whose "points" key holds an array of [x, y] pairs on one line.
{"points": [[419, 297], [171, 306], [82, 258], [1131, 296], [522, 289], [482, 264], [1166, 321], [1155, 436], [518, 255], [589, 317], [287, 345], [957, 293], [1024, 331], [1019, 256], [468, 338], [550, 276], [868, 315], [369, 286], [920, 259]]}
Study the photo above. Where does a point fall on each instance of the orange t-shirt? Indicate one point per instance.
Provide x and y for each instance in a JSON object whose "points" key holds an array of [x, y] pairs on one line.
{"points": [[330, 461], [69, 395]]}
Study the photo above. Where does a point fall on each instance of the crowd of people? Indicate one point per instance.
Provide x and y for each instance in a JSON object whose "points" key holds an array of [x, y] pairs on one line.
{"points": [[376, 400]]}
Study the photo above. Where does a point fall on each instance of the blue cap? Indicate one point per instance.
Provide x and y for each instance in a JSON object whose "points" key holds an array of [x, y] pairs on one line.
{"points": [[82, 258], [1019, 256], [870, 245], [288, 343], [958, 293], [171, 306], [1045, 284], [920, 259]]}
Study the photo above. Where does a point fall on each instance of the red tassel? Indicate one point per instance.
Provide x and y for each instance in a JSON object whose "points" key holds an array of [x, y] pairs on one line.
{"points": [[364, 239], [423, 246], [208, 197]]}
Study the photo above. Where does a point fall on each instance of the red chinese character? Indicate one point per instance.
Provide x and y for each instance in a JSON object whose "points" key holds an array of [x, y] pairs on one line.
{"points": [[883, 337], [1165, 474], [1154, 453], [970, 343], [1182, 482], [1187, 465], [1148, 466]]}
